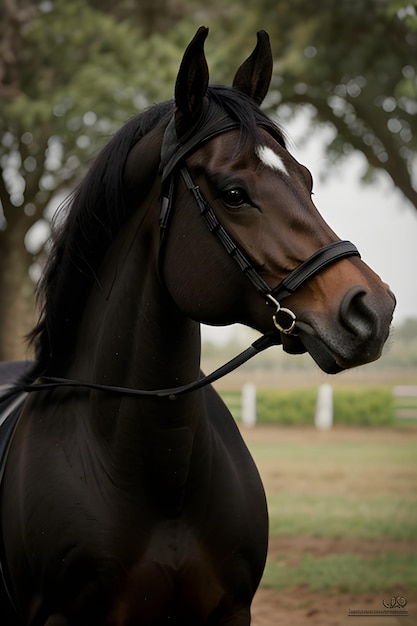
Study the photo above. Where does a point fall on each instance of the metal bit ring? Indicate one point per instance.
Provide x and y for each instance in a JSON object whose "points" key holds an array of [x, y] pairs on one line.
{"points": [[280, 309]]}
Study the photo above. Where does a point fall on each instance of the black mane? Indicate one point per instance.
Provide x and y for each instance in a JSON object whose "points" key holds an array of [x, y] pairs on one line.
{"points": [[96, 211]]}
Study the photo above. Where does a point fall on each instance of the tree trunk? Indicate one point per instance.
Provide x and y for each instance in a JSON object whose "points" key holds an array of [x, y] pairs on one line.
{"points": [[17, 308]]}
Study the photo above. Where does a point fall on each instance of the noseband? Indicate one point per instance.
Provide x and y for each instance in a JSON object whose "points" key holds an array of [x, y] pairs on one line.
{"points": [[173, 155]]}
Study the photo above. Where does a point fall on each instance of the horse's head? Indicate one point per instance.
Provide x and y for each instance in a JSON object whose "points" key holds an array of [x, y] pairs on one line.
{"points": [[229, 163]]}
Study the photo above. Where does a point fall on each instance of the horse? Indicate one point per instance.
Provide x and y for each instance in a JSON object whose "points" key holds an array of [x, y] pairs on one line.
{"points": [[128, 495]]}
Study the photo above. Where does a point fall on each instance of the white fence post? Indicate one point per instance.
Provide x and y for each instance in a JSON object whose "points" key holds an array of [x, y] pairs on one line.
{"points": [[323, 418], [249, 405], [406, 392]]}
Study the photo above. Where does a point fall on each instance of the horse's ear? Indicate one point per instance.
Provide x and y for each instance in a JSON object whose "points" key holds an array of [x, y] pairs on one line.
{"points": [[254, 75], [192, 82]]}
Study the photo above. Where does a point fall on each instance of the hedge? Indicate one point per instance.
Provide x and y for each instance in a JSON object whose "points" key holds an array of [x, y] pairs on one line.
{"points": [[356, 406]]}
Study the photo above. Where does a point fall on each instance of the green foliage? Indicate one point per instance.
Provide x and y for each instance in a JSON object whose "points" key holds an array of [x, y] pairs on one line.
{"points": [[355, 67], [72, 72], [295, 407], [354, 407], [84, 67], [365, 407], [76, 87]]}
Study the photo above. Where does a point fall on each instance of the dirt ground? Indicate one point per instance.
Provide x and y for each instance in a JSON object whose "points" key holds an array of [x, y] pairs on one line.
{"points": [[302, 607]]}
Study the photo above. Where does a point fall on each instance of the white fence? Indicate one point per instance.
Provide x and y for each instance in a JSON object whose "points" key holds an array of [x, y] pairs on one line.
{"points": [[404, 393], [405, 400]]}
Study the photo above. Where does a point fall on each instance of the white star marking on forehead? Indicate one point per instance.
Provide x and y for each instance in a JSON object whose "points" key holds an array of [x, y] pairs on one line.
{"points": [[271, 159]]}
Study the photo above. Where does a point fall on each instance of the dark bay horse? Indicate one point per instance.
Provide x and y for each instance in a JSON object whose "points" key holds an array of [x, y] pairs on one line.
{"points": [[130, 510]]}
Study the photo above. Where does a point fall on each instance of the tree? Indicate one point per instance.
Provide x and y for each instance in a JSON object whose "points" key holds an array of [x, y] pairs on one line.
{"points": [[354, 64], [72, 72], [71, 75]]}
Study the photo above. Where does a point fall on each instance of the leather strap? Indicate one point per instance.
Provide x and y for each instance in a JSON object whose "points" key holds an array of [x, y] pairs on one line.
{"points": [[315, 263], [171, 155], [46, 383]]}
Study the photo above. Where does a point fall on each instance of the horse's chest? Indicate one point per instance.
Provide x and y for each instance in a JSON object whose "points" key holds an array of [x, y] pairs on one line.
{"points": [[174, 577]]}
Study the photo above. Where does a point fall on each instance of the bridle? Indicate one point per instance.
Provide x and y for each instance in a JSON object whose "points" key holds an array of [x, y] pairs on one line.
{"points": [[314, 264], [173, 155]]}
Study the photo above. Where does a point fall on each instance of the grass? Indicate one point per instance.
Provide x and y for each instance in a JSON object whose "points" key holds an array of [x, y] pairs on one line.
{"points": [[345, 573], [349, 516], [357, 486]]}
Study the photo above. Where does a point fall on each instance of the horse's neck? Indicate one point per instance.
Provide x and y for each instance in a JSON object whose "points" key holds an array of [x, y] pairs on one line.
{"points": [[132, 333]]}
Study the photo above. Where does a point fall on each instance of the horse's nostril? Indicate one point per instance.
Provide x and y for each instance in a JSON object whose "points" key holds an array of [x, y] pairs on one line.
{"points": [[357, 315]]}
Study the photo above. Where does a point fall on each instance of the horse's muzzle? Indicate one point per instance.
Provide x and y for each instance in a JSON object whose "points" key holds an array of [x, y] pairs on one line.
{"points": [[356, 337]]}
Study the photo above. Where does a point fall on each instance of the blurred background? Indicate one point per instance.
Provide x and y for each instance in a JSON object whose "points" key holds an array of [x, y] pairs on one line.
{"points": [[343, 507], [344, 89]]}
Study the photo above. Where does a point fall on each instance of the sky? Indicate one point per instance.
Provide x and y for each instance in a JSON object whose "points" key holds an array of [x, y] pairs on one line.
{"points": [[376, 218]]}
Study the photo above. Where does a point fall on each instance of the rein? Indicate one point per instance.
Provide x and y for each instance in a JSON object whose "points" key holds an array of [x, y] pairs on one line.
{"points": [[46, 383], [174, 153]]}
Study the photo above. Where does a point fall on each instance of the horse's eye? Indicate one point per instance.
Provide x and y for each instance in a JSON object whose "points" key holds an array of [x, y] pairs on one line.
{"points": [[235, 198]]}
